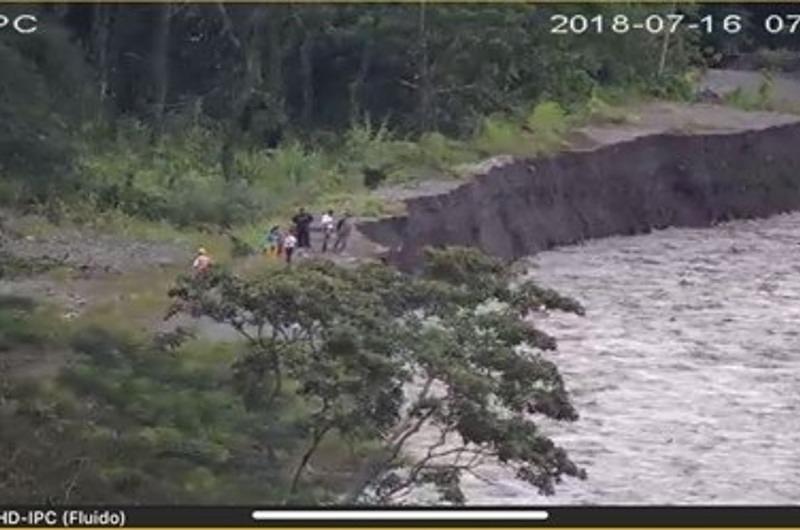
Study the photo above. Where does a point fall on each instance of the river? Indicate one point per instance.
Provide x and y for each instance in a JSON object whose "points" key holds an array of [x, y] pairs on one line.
{"points": [[685, 370]]}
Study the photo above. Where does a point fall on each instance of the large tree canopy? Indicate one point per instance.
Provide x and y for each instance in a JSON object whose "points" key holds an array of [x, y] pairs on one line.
{"points": [[381, 355]]}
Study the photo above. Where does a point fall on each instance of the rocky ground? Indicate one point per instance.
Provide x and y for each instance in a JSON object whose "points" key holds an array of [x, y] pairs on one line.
{"points": [[81, 263]]}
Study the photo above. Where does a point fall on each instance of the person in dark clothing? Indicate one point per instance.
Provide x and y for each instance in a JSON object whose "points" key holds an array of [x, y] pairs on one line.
{"points": [[302, 224], [343, 229]]}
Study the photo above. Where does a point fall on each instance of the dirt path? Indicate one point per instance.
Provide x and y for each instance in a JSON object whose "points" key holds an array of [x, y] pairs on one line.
{"points": [[785, 89], [90, 267], [107, 279]]}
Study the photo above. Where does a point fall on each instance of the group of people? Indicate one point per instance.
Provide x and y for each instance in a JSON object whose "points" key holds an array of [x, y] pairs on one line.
{"points": [[335, 234], [279, 243]]}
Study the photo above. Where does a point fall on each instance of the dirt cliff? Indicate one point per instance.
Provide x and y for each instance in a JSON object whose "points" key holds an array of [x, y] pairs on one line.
{"points": [[721, 164]]}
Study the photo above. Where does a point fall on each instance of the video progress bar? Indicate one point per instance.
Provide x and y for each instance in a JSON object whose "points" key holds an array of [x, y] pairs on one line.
{"points": [[401, 515]]}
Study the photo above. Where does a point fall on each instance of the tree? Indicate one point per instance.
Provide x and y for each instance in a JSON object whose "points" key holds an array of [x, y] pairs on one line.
{"points": [[129, 420], [380, 355], [42, 103], [160, 68], [247, 36]]}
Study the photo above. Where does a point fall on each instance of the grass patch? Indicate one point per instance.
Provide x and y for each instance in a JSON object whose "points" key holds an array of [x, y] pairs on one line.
{"points": [[12, 266], [136, 299], [25, 324]]}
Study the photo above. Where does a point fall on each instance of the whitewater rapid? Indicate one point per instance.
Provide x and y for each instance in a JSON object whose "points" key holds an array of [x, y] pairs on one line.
{"points": [[685, 370]]}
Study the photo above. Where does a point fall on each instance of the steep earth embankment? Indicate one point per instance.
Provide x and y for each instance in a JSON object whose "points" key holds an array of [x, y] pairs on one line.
{"points": [[670, 166]]}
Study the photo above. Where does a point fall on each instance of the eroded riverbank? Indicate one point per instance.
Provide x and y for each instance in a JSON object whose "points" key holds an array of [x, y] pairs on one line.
{"points": [[686, 369], [673, 165]]}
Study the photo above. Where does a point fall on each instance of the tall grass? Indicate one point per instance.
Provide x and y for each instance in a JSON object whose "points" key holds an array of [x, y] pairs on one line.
{"points": [[544, 129], [760, 99], [177, 186]]}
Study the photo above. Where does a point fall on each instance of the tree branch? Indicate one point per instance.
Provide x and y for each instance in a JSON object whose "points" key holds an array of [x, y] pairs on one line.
{"points": [[377, 465], [318, 436], [227, 26]]}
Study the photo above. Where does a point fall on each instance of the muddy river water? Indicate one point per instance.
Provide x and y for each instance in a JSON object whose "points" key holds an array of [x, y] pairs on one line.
{"points": [[685, 370]]}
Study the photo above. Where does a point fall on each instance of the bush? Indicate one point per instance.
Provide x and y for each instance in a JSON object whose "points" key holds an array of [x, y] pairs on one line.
{"points": [[548, 121], [147, 426], [500, 136], [23, 324], [442, 153], [762, 99], [598, 109]]}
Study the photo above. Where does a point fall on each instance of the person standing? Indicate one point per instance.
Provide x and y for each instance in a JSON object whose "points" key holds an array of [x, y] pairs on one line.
{"points": [[328, 229], [302, 224], [272, 242], [343, 230], [289, 244], [202, 262]]}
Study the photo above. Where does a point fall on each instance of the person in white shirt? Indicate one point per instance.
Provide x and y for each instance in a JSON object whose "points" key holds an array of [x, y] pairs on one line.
{"points": [[202, 263], [327, 229], [289, 244]]}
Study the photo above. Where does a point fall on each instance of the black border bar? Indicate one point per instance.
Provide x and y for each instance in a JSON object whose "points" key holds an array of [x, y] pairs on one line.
{"points": [[558, 516]]}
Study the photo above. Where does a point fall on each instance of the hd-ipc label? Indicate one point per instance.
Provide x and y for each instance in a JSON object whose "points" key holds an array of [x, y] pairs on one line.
{"points": [[62, 518]]}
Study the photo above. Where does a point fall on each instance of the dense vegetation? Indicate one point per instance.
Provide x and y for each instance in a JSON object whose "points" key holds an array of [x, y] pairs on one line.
{"points": [[337, 371], [225, 114]]}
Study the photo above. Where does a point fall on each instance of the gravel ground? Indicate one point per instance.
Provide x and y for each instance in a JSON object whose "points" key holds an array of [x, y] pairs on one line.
{"points": [[98, 252], [686, 369]]}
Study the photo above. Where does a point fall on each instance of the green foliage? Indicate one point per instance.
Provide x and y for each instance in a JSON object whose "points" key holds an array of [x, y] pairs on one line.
{"points": [[378, 355], [542, 131], [501, 136], [177, 180], [44, 99], [180, 180], [762, 99], [130, 422], [347, 106], [366, 143], [12, 266], [548, 122], [598, 109], [290, 166], [22, 324], [442, 153]]}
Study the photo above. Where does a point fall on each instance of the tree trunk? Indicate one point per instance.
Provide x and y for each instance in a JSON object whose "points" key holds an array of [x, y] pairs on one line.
{"points": [[307, 65], [319, 434], [662, 62], [160, 69], [101, 28], [425, 84], [357, 86], [251, 79], [275, 83]]}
